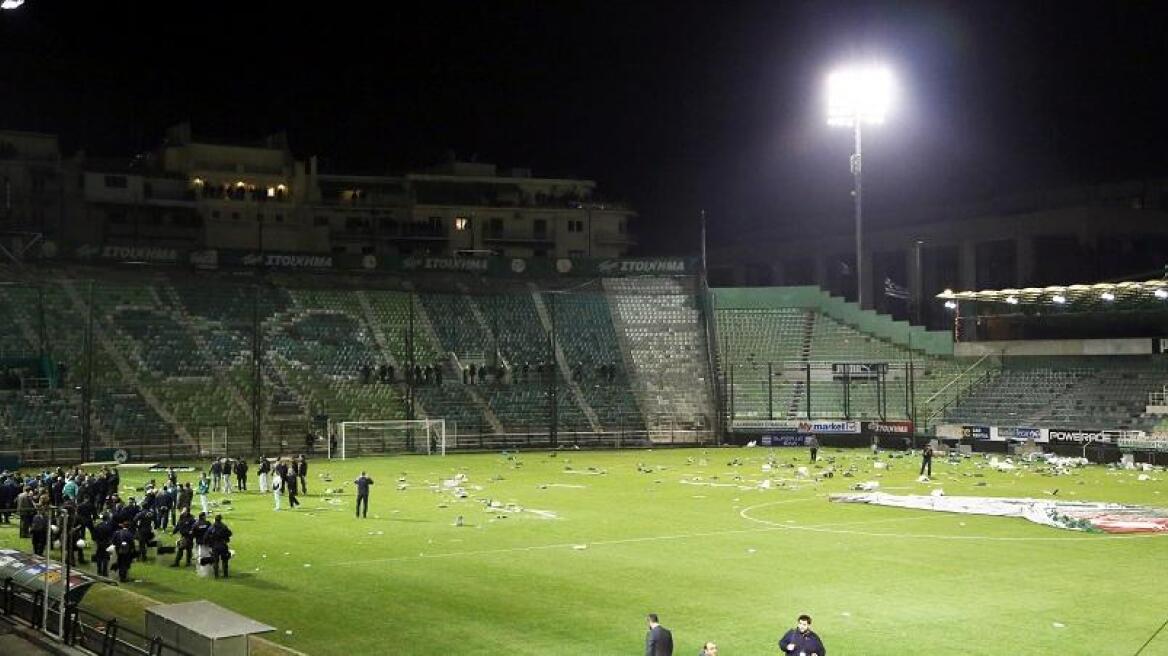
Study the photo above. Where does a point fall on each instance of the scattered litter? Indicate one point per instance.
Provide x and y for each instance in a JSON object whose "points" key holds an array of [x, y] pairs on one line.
{"points": [[879, 464], [288, 632], [579, 547], [938, 492], [308, 564], [750, 551], [1143, 477], [1059, 625]]}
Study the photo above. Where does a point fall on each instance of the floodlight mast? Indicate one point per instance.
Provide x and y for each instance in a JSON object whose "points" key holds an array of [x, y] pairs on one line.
{"points": [[858, 95]]}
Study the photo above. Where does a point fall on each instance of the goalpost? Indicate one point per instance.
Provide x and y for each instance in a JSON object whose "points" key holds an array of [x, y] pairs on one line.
{"points": [[370, 438]]}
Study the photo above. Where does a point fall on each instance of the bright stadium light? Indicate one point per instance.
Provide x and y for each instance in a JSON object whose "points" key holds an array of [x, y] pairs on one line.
{"points": [[1161, 293], [858, 95], [11, 4], [1059, 298], [1107, 296], [951, 305], [1012, 300]]}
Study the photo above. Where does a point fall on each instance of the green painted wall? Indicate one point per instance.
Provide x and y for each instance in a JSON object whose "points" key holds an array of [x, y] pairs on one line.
{"points": [[933, 342]]}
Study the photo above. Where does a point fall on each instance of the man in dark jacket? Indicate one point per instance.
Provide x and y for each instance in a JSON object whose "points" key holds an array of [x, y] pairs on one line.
{"points": [[927, 461], [659, 640], [102, 533], [302, 472], [802, 641], [241, 475], [39, 530], [217, 536], [8, 492], [363, 482], [185, 528], [124, 547]]}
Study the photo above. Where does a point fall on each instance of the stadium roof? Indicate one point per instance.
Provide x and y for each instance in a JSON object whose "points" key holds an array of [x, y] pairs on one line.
{"points": [[1128, 295]]}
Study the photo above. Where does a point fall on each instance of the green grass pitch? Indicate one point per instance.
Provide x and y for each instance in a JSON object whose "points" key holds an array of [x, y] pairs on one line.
{"points": [[595, 540]]}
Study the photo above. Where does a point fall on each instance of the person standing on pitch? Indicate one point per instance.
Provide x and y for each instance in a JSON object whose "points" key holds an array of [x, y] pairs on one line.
{"points": [[363, 482], [241, 475], [659, 640], [302, 472], [203, 488], [927, 460], [185, 528], [290, 483], [802, 641], [124, 548], [217, 536], [277, 485], [263, 467], [813, 444]]}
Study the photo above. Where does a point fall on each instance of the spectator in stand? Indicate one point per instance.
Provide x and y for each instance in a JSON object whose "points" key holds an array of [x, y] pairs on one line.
{"points": [[472, 372]]}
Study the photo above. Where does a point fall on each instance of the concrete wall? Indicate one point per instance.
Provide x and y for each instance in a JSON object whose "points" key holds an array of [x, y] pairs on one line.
{"points": [[1056, 347]]}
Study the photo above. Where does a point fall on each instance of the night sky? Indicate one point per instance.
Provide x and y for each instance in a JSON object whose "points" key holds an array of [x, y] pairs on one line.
{"points": [[672, 106]]}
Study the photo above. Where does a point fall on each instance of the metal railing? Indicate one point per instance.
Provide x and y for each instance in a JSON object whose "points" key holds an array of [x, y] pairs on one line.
{"points": [[82, 629]]}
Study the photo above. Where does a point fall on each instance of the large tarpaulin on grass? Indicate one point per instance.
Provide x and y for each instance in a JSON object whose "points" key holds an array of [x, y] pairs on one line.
{"points": [[1073, 515]]}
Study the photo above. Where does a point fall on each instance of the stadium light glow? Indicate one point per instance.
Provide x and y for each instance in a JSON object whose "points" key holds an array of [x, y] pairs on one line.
{"points": [[859, 94], [1059, 298], [1107, 296], [11, 4], [1161, 293], [856, 95], [1012, 300], [951, 305]]}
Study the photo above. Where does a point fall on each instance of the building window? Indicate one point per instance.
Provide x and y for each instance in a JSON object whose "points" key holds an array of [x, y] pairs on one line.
{"points": [[461, 223], [320, 221], [575, 253], [621, 227], [367, 250], [115, 181], [575, 226], [279, 218], [214, 214], [539, 228], [259, 216], [235, 216]]}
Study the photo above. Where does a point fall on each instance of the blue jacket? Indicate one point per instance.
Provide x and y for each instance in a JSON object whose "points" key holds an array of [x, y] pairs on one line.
{"points": [[805, 643]]}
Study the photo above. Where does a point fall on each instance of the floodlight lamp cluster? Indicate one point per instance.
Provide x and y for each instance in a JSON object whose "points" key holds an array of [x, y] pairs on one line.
{"points": [[1063, 295], [859, 94]]}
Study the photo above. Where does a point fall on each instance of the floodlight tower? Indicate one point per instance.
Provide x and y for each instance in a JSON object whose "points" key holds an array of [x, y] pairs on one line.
{"points": [[858, 95]]}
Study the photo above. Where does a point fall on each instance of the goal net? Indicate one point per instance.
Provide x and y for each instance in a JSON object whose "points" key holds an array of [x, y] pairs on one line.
{"points": [[372, 438]]}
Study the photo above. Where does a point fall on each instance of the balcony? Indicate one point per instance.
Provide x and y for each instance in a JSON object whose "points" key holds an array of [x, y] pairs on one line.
{"points": [[520, 236], [613, 238]]}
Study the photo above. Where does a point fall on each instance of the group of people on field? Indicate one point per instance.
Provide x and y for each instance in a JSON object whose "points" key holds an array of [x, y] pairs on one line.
{"points": [[798, 641]]}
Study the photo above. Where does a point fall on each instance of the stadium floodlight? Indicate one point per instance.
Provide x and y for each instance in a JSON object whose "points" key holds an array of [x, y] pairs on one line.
{"points": [[1107, 296], [951, 305], [1012, 300], [11, 4], [858, 95], [1059, 299], [1161, 293]]}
